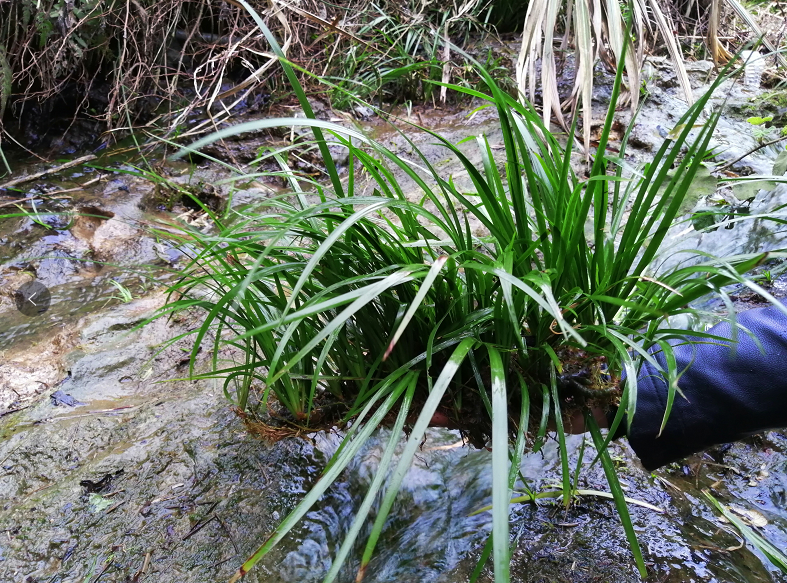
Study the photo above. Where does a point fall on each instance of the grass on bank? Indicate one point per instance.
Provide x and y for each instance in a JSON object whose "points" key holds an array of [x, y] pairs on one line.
{"points": [[127, 66], [380, 309]]}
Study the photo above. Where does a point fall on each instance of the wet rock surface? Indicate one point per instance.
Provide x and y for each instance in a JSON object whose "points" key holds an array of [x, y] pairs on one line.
{"points": [[139, 480], [430, 536]]}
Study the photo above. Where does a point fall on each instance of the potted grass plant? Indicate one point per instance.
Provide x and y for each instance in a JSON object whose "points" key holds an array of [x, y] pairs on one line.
{"points": [[330, 307]]}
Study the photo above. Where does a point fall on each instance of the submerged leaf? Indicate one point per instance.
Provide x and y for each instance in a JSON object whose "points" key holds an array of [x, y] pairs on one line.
{"points": [[775, 555], [752, 517], [98, 503]]}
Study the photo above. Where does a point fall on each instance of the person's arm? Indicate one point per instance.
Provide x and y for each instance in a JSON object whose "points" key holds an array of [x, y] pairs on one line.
{"points": [[729, 393]]}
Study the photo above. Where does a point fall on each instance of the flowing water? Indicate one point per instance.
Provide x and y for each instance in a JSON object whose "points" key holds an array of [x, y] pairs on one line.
{"points": [[430, 536]]}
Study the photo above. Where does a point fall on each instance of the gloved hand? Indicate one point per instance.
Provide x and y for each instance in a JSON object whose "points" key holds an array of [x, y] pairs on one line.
{"points": [[729, 391]]}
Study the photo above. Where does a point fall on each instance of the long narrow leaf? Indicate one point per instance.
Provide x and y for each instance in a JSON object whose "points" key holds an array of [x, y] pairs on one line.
{"points": [[500, 495], [328, 477], [617, 493], [427, 410], [434, 271], [382, 472]]}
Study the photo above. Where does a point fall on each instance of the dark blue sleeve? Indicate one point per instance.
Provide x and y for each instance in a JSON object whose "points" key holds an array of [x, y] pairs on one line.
{"points": [[729, 393]]}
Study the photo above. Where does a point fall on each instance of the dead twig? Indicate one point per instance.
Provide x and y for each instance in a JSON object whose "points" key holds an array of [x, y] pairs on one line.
{"points": [[56, 193], [90, 182], [107, 565], [203, 522], [55, 170], [143, 569], [760, 147], [330, 25], [18, 200], [229, 534], [198, 527], [10, 411], [115, 506]]}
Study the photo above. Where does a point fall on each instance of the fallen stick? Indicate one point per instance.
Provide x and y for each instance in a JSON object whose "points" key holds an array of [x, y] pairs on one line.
{"points": [[57, 193], [17, 201], [757, 149], [29, 177]]}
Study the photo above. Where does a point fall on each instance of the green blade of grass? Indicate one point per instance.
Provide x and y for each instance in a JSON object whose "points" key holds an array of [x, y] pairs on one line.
{"points": [[381, 473], [561, 438], [617, 493], [776, 556], [371, 292], [302, 98], [323, 249], [422, 291], [413, 442], [325, 481], [500, 470], [532, 497]]}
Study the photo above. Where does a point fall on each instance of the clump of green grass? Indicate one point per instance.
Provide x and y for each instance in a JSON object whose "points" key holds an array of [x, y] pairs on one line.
{"points": [[375, 309], [124, 294]]}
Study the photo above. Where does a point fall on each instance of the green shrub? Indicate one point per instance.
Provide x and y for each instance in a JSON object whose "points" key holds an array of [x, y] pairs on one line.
{"points": [[375, 309]]}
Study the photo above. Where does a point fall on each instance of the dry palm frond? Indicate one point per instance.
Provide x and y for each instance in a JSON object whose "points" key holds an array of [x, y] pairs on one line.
{"points": [[446, 63], [595, 23], [667, 30], [548, 68], [718, 51], [617, 33], [531, 40], [598, 29], [585, 61], [529, 53]]}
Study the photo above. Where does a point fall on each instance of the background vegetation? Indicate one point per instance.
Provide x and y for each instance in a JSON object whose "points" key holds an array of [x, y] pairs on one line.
{"points": [[113, 64]]}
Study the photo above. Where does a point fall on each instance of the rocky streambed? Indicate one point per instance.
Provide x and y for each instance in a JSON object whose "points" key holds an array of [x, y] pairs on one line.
{"points": [[112, 471]]}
